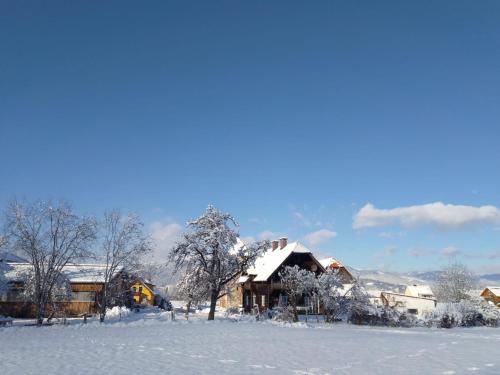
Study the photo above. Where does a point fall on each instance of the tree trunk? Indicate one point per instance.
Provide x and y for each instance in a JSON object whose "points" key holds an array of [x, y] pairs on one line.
{"points": [[188, 307], [213, 302], [102, 310], [294, 301], [40, 311]]}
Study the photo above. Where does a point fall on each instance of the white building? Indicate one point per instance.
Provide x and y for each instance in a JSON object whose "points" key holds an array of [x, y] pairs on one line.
{"points": [[403, 303], [422, 291]]}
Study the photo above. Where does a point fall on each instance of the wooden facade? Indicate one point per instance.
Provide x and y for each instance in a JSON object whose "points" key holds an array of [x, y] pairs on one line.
{"points": [[83, 300], [86, 283]]}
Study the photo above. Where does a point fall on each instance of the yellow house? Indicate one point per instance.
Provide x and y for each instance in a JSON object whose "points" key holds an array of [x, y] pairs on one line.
{"points": [[142, 292]]}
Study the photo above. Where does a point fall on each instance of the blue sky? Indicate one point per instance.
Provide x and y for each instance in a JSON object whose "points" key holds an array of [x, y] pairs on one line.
{"points": [[293, 116]]}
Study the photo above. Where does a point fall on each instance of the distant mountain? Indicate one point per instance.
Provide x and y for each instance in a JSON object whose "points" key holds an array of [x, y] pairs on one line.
{"points": [[9, 257], [397, 281], [386, 280], [492, 277]]}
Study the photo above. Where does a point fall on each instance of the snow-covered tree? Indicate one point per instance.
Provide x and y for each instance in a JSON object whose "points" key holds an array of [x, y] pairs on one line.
{"points": [[49, 237], [210, 245], [329, 286], [122, 245], [193, 288], [297, 282], [454, 283], [359, 306]]}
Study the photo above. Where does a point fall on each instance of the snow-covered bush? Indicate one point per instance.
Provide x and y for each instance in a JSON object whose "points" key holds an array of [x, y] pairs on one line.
{"points": [[284, 314], [359, 308], [466, 313], [232, 311], [117, 312]]}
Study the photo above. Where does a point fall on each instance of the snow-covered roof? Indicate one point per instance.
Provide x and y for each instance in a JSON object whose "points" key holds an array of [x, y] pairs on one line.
{"points": [[76, 273], [270, 261], [385, 293], [419, 290], [243, 279], [328, 262], [494, 289]]}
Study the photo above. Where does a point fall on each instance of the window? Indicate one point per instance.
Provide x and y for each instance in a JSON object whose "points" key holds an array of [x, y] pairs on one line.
{"points": [[413, 311], [140, 289], [83, 296], [263, 300], [254, 299], [283, 299], [247, 300]]}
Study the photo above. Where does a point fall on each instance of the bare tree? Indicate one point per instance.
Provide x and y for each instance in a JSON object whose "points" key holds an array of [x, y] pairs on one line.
{"points": [[150, 271], [49, 237], [122, 245], [210, 245], [454, 283], [58, 294]]}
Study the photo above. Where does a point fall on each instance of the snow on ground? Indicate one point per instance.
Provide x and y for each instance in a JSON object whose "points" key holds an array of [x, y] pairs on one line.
{"points": [[149, 342]]}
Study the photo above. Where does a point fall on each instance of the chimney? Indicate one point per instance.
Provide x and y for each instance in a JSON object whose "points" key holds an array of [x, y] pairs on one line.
{"points": [[274, 244], [283, 242]]}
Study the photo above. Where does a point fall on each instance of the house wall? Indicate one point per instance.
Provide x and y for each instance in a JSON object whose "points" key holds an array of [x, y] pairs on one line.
{"points": [[490, 296], [234, 298], [405, 304], [18, 308], [146, 294]]}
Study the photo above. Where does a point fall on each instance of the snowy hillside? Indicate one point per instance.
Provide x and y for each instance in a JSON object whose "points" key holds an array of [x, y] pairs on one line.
{"points": [[382, 280], [397, 281]]}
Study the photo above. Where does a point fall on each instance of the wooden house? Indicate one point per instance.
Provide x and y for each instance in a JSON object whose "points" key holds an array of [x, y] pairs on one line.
{"points": [[260, 286], [143, 292], [334, 264], [86, 282], [491, 294]]}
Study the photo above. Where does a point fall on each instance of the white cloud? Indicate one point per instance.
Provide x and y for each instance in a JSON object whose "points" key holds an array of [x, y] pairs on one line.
{"points": [[438, 213], [320, 236], [164, 236], [391, 234], [450, 251]]}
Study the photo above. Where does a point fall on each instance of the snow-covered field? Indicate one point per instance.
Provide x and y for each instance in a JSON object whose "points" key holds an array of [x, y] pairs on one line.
{"points": [[151, 343]]}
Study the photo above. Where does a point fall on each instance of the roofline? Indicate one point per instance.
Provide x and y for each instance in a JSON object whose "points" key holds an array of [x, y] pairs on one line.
{"points": [[289, 255], [404, 295]]}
